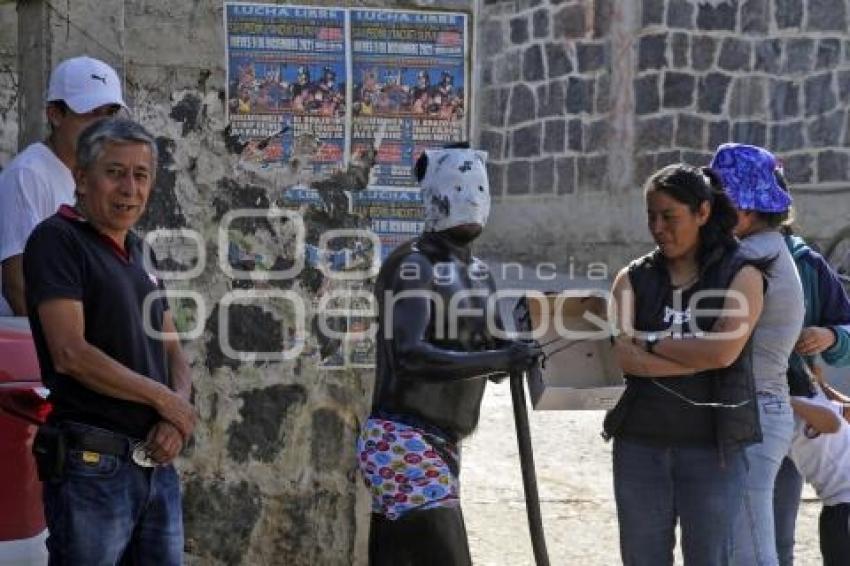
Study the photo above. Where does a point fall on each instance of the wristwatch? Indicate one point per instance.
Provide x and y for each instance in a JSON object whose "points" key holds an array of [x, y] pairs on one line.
{"points": [[650, 342]]}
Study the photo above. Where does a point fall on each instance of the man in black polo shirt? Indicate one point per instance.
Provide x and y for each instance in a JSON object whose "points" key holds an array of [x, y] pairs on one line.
{"points": [[120, 391]]}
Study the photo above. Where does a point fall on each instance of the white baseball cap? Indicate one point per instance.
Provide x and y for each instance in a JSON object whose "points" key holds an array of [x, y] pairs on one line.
{"points": [[84, 84]]}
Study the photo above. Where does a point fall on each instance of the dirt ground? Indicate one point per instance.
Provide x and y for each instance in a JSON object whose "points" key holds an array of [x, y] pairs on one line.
{"points": [[574, 474]]}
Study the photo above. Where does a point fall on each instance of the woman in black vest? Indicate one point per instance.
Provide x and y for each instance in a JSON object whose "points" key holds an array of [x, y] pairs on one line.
{"points": [[685, 312]]}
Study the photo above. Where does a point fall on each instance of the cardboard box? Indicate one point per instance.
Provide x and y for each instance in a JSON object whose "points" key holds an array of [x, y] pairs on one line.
{"points": [[581, 373]]}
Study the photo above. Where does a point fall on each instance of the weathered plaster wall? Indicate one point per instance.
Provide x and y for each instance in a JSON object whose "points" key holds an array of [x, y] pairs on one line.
{"points": [[8, 83], [582, 99], [270, 476]]}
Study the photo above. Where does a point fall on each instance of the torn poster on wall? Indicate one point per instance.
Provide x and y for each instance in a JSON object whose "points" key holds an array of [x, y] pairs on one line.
{"points": [[286, 78], [334, 78]]}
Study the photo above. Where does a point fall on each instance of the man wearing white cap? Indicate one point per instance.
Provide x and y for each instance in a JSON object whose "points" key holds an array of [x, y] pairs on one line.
{"points": [[39, 180]]}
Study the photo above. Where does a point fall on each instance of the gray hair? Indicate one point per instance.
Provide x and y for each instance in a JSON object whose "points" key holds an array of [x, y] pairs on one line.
{"points": [[119, 130]]}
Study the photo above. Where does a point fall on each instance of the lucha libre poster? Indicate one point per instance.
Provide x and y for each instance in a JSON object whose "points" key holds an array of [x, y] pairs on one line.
{"points": [[340, 79], [286, 82], [409, 77], [395, 214]]}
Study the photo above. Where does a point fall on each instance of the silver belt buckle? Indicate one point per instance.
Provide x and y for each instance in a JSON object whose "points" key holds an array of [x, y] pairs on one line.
{"points": [[140, 456]]}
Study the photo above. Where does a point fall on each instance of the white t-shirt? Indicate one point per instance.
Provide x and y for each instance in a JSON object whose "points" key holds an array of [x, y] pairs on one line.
{"points": [[824, 461], [32, 188]]}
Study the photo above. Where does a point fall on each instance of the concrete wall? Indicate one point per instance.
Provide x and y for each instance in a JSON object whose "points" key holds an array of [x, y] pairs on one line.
{"points": [[8, 83], [582, 99]]}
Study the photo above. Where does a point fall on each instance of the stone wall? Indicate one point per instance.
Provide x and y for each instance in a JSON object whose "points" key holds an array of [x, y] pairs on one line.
{"points": [[545, 97], [271, 478], [583, 99], [775, 74]]}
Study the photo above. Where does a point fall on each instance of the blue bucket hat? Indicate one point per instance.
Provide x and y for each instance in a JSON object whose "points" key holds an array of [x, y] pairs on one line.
{"points": [[747, 173]]}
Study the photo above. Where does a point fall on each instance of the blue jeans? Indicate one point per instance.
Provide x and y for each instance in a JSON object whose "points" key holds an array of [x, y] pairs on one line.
{"points": [[786, 502], [654, 486], [755, 536], [112, 512]]}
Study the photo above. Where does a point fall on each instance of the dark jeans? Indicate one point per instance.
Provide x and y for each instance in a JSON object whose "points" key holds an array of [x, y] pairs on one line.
{"points": [[655, 486], [111, 511], [786, 502], [835, 534]]}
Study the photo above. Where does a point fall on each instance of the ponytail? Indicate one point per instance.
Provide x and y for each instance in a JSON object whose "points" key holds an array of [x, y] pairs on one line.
{"points": [[717, 232]]}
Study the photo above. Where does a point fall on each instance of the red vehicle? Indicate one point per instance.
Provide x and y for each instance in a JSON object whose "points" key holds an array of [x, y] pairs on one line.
{"points": [[23, 406]]}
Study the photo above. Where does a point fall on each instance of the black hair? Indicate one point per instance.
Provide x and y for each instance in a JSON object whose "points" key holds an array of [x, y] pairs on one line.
{"points": [[783, 220], [801, 380], [693, 186], [63, 109], [60, 105], [421, 165]]}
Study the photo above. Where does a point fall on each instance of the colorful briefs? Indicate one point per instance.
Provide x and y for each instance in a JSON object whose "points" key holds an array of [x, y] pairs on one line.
{"points": [[407, 468]]}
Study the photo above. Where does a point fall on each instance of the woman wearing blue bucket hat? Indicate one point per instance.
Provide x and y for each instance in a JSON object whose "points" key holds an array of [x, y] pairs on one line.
{"points": [[748, 174], [826, 333], [825, 328]]}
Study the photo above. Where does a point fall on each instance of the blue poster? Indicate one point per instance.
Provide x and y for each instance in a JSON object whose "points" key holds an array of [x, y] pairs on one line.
{"points": [[290, 95], [410, 77], [286, 82]]}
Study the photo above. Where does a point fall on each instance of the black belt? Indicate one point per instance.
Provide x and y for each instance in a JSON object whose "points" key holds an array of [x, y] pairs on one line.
{"points": [[100, 442]]}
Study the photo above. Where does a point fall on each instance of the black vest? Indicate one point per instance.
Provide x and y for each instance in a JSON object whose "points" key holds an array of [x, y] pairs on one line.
{"points": [[648, 412]]}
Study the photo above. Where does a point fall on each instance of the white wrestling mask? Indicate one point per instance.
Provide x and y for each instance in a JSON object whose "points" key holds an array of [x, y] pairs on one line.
{"points": [[455, 189]]}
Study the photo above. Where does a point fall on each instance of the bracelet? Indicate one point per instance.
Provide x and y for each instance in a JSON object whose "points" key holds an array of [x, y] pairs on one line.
{"points": [[650, 343]]}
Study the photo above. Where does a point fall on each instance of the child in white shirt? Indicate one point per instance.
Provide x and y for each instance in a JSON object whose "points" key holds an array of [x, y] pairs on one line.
{"points": [[821, 451]]}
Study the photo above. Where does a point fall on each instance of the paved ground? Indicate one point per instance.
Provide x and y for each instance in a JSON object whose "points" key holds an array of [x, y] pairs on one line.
{"points": [[574, 473]]}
